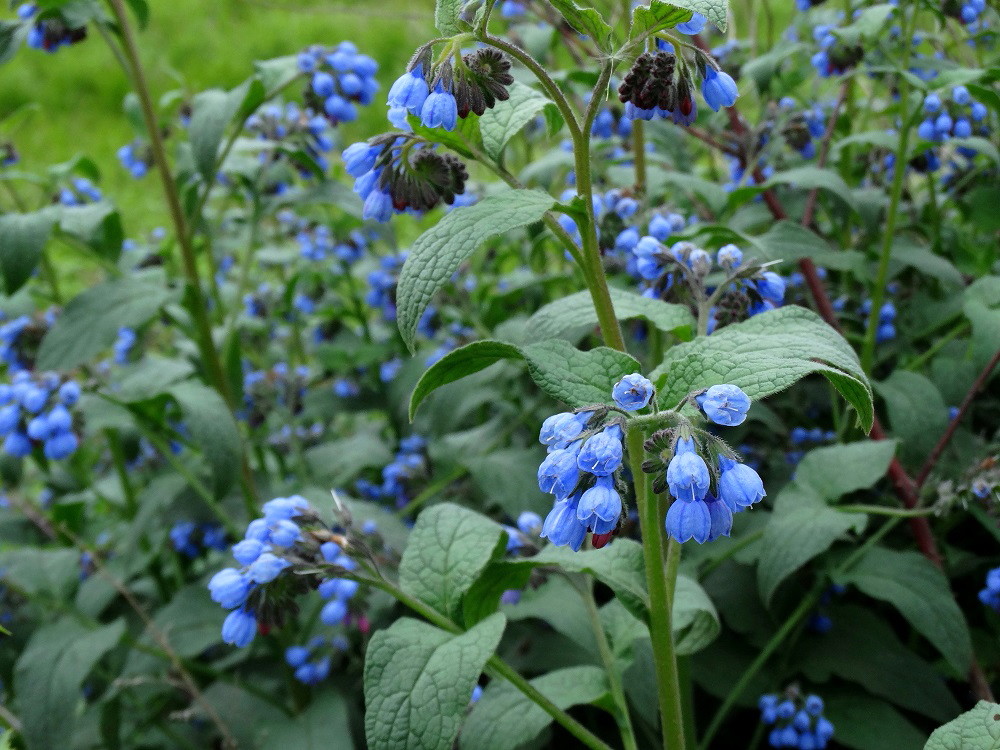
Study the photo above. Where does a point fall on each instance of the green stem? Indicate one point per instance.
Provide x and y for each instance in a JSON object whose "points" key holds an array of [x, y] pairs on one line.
{"points": [[939, 343], [660, 611], [639, 156], [495, 664], [118, 457], [622, 716], [898, 178], [879, 510]]}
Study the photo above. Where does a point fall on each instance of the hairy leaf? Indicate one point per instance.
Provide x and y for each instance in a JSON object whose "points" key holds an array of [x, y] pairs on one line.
{"points": [[22, 239], [978, 729]]}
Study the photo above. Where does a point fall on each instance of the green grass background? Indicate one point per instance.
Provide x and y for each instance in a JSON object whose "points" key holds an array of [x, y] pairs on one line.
{"points": [[70, 102]]}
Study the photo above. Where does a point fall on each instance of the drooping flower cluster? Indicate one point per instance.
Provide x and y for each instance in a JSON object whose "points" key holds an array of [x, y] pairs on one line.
{"points": [[990, 594], [190, 538], [293, 129], [281, 385], [35, 411], [340, 77], [440, 95], [409, 464], [136, 157], [260, 593], [395, 173], [80, 191], [51, 32], [835, 56], [659, 84], [318, 243], [312, 661], [796, 722]]}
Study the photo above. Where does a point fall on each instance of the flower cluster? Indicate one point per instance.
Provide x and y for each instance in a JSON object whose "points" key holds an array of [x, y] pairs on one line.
{"points": [[408, 464], [382, 285], [34, 410], [796, 722], [311, 665], [79, 192], [260, 593], [136, 157], [190, 538], [440, 95], [317, 243], [659, 84], [340, 78], [49, 33], [990, 594], [398, 173], [834, 56], [302, 127], [281, 385]]}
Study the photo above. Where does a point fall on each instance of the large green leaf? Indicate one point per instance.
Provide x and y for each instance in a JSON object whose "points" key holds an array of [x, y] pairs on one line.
{"points": [[339, 461], [866, 723], [419, 680], [561, 370], [96, 225], [446, 552], [22, 239], [836, 470], [978, 729], [439, 251], [716, 11], [920, 591], [917, 413], [568, 316], [585, 21], [764, 355], [213, 428], [801, 527], [505, 120], [657, 16], [695, 621], [89, 324], [213, 111], [325, 724], [48, 676], [504, 719]]}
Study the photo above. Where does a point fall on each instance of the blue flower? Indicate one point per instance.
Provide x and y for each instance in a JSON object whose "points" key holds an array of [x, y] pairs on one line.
{"points": [[771, 287], [694, 26], [562, 527], [410, 91], [559, 429], [726, 405], [239, 628], [719, 89], [229, 588], [529, 522], [334, 612], [601, 454], [739, 485], [729, 257], [689, 520], [296, 656], [359, 158], [439, 110], [558, 474], [600, 506], [721, 516], [266, 568], [632, 392], [687, 474], [378, 206]]}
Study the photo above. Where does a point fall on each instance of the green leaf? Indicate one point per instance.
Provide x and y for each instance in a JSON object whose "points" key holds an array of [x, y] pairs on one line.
{"points": [[501, 123], [560, 369], [836, 470], [657, 16], [89, 324], [716, 11], [868, 25], [324, 725], [920, 591], [917, 413], [695, 621], [50, 573], [96, 225], [790, 241], [12, 35], [340, 461], [419, 680], [801, 527], [446, 16], [569, 315], [48, 676], [505, 719], [764, 355], [22, 239], [439, 251], [808, 178], [865, 723], [907, 252], [213, 428], [214, 110], [501, 477], [978, 729], [150, 377], [586, 21], [447, 550], [863, 649]]}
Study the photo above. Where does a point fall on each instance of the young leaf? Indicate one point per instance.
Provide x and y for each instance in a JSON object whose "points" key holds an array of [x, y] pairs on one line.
{"points": [[657, 16], [504, 719], [836, 470], [917, 413], [586, 21], [446, 16], [89, 324], [22, 239], [213, 428], [560, 369], [213, 112], [419, 680], [48, 676], [501, 123], [920, 591], [801, 527], [978, 729], [764, 355], [446, 552], [568, 315], [439, 251], [96, 225]]}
